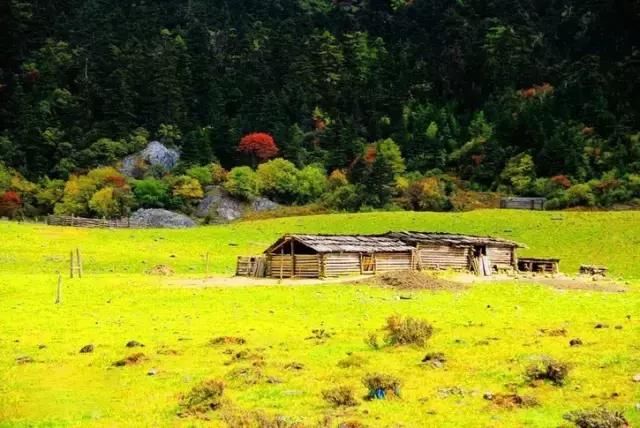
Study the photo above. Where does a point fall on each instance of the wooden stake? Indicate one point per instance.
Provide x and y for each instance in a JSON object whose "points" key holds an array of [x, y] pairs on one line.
{"points": [[79, 260], [71, 265], [59, 290]]}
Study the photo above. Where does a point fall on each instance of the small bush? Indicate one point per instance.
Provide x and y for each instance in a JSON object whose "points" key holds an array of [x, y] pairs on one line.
{"points": [[597, 418], [352, 361], [407, 331], [242, 182], [203, 398], [551, 370], [258, 419], [342, 396], [131, 360], [246, 375], [381, 386], [372, 340]]}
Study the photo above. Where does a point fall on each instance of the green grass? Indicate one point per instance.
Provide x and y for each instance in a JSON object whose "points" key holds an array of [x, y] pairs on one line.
{"points": [[116, 302]]}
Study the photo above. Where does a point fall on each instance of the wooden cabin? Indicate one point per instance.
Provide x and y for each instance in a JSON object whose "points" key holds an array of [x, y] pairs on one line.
{"points": [[514, 203], [321, 256], [479, 254]]}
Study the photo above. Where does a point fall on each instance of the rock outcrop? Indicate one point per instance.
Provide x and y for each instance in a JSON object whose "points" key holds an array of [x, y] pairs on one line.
{"points": [[161, 218], [155, 154], [219, 205]]}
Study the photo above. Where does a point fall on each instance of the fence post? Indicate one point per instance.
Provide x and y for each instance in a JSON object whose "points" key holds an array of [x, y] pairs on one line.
{"points": [[71, 264], [59, 290], [79, 260]]}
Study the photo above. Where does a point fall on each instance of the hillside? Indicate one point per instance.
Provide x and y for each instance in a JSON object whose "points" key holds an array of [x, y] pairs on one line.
{"points": [[530, 98], [608, 238]]}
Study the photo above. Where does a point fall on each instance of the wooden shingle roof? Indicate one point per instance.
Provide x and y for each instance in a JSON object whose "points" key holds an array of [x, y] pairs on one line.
{"points": [[450, 239], [346, 243]]}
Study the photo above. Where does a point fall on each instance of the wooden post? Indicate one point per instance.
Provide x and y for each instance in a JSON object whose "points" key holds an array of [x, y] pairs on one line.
{"points": [[59, 290], [293, 260], [71, 265], [79, 260], [281, 261]]}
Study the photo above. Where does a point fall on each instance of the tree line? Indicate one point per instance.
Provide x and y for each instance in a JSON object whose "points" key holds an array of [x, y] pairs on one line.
{"points": [[528, 97]]}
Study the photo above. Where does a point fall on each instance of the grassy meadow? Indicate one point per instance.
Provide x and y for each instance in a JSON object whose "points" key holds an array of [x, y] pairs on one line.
{"points": [[489, 333]]}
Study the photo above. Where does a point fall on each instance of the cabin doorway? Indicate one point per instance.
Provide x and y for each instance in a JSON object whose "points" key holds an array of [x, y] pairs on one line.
{"points": [[368, 264], [481, 262]]}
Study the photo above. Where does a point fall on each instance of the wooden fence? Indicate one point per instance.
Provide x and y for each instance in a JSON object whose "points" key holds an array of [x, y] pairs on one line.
{"points": [[536, 204], [63, 220]]}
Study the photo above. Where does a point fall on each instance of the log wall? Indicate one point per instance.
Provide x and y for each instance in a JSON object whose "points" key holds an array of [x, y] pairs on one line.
{"points": [[502, 257], [306, 266], [341, 264], [389, 262], [443, 257]]}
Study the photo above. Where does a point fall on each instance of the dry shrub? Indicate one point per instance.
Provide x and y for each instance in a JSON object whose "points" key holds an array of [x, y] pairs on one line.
{"points": [[351, 424], [227, 340], [511, 401], [246, 375], [554, 371], [554, 332], [203, 398], [435, 359], [246, 355], [407, 331], [372, 340], [258, 419], [342, 396], [352, 361], [597, 418], [131, 360], [381, 386]]}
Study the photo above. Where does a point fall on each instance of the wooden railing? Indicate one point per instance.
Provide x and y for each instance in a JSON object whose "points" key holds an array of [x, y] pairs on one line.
{"points": [[63, 220]]}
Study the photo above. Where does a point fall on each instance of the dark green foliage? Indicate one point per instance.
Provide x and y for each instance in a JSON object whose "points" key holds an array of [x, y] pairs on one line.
{"points": [[151, 193], [500, 93]]}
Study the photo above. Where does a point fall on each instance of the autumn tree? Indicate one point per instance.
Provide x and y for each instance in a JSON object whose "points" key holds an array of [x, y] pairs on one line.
{"points": [[259, 145]]}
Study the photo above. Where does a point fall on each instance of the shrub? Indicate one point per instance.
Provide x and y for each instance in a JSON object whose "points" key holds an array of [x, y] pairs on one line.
{"points": [[407, 331], [242, 182], [372, 340], [343, 198], [338, 178], [218, 173], [597, 418], [381, 386], [186, 187], [312, 183], [279, 179], [342, 396], [151, 193], [104, 204], [428, 194], [548, 369], [352, 361], [10, 203], [203, 398], [579, 194], [203, 174]]}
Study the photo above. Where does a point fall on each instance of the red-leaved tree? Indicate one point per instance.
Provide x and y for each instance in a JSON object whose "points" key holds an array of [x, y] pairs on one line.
{"points": [[259, 145], [10, 203]]}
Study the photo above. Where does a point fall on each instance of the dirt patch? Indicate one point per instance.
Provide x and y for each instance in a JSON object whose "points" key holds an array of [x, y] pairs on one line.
{"points": [[25, 359], [257, 359], [512, 401], [411, 281], [160, 270], [434, 359], [131, 360], [577, 283], [134, 344], [227, 340]]}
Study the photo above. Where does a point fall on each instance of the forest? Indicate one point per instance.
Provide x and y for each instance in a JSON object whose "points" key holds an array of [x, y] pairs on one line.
{"points": [[350, 104]]}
